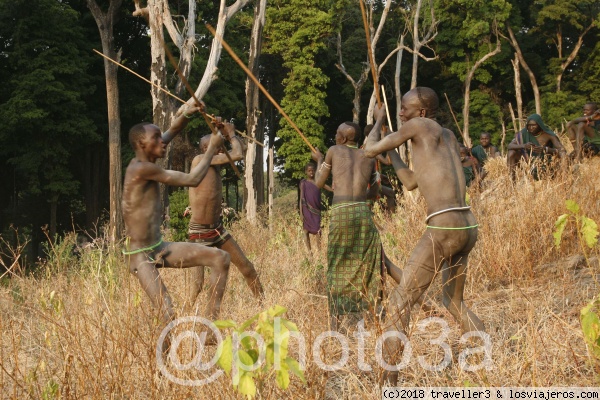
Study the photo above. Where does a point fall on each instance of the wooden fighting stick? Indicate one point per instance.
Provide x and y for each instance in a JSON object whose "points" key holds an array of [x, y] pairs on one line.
{"points": [[169, 93], [260, 86], [199, 104]]}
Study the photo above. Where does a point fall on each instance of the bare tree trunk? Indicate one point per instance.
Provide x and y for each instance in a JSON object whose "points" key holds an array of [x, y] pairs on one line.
{"points": [[518, 93], [403, 150], [158, 15], [356, 85], [254, 177], [467, 95], [271, 185], [105, 22], [572, 55], [536, 89], [418, 43]]}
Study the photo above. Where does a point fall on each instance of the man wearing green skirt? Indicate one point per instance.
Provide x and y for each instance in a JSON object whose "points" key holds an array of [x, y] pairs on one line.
{"points": [[354, 252]]}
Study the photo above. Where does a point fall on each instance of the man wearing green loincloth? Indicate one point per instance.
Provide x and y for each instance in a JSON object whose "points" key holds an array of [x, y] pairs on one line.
{"points": [[535, 140], [354, 252], [451, 230]]}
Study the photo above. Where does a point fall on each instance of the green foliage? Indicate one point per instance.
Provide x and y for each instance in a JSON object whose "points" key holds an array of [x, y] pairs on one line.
{"points": [[486, 116], [249, 361], [560, 107], [587, 228], [590, 325], [178, 201], [297, 29]]}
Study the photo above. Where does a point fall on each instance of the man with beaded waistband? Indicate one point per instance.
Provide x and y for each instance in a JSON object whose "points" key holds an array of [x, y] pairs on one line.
{"points": [[206, 226], [451, 230], [354, 251]]}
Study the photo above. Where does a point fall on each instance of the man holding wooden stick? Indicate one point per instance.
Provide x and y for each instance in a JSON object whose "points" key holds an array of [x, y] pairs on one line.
{"points": [[145, 250], [451, 230], [206, 226]]}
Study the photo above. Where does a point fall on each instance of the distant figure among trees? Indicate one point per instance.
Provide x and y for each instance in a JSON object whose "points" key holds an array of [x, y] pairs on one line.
{"points": [[145, 249], [310, 205], [584, 132], [470, 165], [536, 141], [484, 151]]}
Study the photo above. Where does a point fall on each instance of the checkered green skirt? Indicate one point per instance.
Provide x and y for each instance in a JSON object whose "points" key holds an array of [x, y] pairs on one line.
{"points": [[354, 259]]}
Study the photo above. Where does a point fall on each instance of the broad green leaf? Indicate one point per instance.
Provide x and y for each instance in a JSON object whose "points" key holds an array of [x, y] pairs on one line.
{"points": [[290, 325], [559, 225], [589, 230], [247, 323], [283, 378], [244, 359], [572, 206], [248, 342], [266, 330], [223, 324], [270, 355], [590, 325], [295, 368], [277, 310], [225, 351], [253, 353], [246, 386]]}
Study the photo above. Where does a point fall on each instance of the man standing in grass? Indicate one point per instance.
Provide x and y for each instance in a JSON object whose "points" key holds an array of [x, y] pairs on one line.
{"points": [[536, 141], [206, 224], [310, 205], [354, 252], [145, 250], [584, 132], [451, 230]]}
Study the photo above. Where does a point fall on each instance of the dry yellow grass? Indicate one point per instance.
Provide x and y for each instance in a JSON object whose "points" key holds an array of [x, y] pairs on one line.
{"points": [[82, 328]]}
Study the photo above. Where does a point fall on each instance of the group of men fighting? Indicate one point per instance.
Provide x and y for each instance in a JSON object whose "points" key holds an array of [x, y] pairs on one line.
{"points": [[356, 261]]}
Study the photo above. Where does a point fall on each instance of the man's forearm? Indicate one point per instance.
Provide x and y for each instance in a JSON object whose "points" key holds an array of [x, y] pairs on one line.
{"points": [[406, 176]]}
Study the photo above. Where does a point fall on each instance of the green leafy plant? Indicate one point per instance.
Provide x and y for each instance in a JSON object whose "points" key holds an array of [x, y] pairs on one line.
{"points": [[587, 228], [590, 325], [257, 349]]}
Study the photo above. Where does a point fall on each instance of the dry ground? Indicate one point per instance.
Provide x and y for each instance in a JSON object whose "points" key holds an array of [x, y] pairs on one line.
{"points": [[82, 328]]}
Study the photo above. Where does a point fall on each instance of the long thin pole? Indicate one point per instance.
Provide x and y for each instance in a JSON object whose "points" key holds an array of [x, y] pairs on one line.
{"points": [[199, 104], [167, 92], [454, 116], [387, 110], [260, 86], [371, 61]]}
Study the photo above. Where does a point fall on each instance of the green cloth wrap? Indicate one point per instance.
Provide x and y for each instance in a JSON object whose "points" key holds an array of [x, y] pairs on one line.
{"points": [[354, 259]]}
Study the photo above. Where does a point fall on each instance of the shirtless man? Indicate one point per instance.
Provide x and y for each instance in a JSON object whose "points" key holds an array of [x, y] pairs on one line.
{"points": [[535, 140], [451, 227], [206, 226], [145, 250], [354, 252], [484, 151], [584, 132]]}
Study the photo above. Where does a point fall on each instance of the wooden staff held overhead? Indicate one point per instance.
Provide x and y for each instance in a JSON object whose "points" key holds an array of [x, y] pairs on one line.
{"points": [[260, 86], [168, 93], [199, 104]]}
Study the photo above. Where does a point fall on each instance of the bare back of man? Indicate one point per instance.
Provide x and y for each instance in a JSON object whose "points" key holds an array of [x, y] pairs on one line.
{"points": [[584, 132], [452, 229], [206, 225], [146, 251], [354, 255]]}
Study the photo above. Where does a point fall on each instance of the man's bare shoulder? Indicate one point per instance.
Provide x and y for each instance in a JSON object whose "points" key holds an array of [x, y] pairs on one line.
{"points": [[141, 169]]}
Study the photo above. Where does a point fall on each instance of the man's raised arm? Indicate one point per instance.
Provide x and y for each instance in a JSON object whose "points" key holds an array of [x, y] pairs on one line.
{"points": [[179, 123], [406, 176], [323, 167]]}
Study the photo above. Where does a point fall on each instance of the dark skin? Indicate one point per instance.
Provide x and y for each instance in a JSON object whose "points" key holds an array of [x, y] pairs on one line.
{"points": [[439, 176], [485, 140], [580, 127], [467, 160], [351, 171], [205, 204], [143, 217], [545, 140], [310, 177]]}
